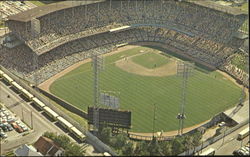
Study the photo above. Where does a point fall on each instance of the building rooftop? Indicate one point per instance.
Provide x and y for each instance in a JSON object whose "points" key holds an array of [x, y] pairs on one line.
{"points": [[46, 146], [46, 9], [26, 150], [217, 6]]}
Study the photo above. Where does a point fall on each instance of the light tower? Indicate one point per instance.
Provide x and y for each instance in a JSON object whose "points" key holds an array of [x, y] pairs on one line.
{"points": [[97, 62], [184, 70]]}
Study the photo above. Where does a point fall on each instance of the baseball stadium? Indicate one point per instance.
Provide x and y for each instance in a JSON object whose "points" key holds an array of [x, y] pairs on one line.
{"points": [[140, 46]]}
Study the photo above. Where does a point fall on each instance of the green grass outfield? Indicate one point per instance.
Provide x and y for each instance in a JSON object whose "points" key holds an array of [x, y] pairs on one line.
{"points": [[208, 93]]}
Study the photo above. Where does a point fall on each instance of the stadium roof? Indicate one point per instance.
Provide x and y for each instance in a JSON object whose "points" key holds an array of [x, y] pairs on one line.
{"points": [[216, 6], [46, 9], [240, 35]]}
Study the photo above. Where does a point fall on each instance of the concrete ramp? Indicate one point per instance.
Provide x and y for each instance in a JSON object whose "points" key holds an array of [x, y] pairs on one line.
{"points": [[239, 113]]}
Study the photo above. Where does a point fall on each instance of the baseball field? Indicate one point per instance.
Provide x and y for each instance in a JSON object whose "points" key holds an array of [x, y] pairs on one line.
{"points": [[143, 76]]}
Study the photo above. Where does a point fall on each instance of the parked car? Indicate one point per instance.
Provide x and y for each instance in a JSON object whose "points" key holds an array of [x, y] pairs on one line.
{"points": [[6, 112], [237, 152], [2, 114], [3, 135], [10, 120], [25, 128], [221, 124], [14, 125], [4, 127], [19, 129], [245, 150], [9, 127]]}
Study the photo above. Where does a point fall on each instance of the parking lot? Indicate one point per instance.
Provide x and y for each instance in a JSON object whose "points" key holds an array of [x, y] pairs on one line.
{"points": [[11, 126], [244, 150]]}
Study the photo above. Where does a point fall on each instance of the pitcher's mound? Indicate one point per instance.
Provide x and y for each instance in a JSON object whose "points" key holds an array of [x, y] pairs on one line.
{"points": [[129, 66]]}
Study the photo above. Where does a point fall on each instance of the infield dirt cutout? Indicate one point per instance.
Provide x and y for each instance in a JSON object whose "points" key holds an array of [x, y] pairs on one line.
{"points": [[128, 65]]}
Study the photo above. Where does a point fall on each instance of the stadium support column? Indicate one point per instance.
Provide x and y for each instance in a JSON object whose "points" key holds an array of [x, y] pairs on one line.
{"points": [[35, 68], [85, 12], [97, 63], [136, 6], [98, 13], [184, 70], [73, 9], [144, 18], [121, 7], [110, 4]]}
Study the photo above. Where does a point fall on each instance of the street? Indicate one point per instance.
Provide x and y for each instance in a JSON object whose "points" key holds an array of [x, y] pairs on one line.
{"points": [[229, 144]]}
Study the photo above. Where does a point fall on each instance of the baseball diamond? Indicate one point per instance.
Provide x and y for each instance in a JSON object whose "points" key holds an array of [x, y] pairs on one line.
{"points": [[141, 86]]}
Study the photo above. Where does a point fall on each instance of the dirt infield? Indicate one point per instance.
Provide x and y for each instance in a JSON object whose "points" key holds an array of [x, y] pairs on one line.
{"points": [[128, 65]]}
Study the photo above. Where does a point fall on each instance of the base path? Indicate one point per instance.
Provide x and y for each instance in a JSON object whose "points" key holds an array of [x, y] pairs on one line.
{"points": [[128, 65]]}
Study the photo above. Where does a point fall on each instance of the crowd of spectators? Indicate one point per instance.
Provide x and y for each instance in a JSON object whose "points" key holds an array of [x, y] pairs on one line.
{"points": [[73, 23], [240, 74], [63, 56], [19, 58]]}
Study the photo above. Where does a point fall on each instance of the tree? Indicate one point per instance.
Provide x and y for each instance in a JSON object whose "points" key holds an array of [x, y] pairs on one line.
{"points": [[154, 148], [167, 148], [120, 141], [128, 149], [73, 150], [141, 149], [197, 136], [188, 142], [106, 134], [50, 135], [62, 140], [177, 145]]}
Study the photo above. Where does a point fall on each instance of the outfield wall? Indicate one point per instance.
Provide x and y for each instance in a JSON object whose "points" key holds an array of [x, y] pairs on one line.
{"points": [[64, 104]]}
